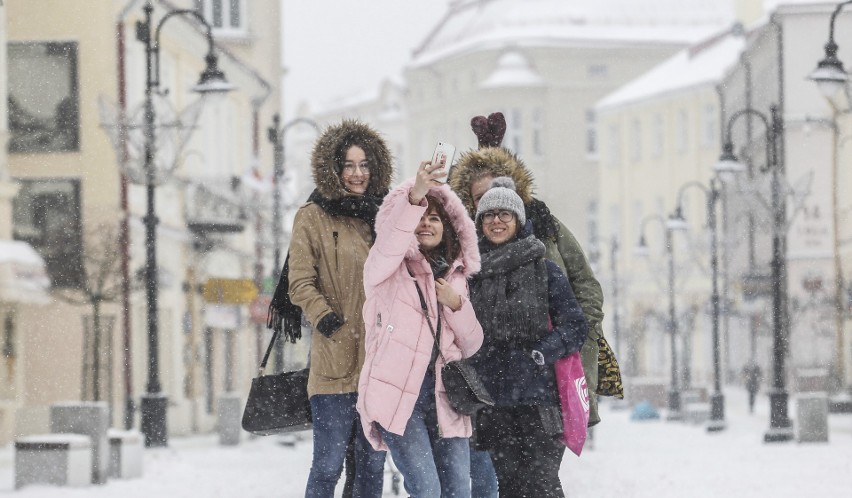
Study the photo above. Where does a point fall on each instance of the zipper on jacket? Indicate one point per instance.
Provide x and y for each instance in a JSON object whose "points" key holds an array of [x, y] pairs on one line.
{"points": [[336, 265]]}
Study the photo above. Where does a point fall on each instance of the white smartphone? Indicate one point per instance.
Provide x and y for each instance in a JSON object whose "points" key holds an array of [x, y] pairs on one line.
{"points": [[443, 151]]}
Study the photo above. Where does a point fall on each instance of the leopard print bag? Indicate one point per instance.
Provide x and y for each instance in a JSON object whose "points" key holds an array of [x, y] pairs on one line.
{"points": [[609, 374]]}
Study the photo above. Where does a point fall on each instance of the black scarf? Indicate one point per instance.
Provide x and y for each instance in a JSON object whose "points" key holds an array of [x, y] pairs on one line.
{"points": [[284, 316], [509, 294]]}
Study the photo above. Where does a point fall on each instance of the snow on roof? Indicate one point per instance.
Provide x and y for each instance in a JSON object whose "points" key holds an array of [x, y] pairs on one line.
{"points": [[513, 69], [700, 64], [495, 23]]}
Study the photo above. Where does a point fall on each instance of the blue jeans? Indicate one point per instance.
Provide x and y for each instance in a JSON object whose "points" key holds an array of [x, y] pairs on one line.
{"points": [[483, 479], [431, 466], [334, 417]]}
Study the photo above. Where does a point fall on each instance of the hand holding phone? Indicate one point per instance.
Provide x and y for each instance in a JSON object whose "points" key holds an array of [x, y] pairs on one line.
{"points": [[443, 152]]}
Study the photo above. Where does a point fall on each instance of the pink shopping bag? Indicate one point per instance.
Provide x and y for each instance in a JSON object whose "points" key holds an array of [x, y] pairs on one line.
{"points": [[574, 398]]}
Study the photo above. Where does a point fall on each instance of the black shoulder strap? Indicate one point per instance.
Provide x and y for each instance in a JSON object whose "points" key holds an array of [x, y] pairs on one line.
{"points": [[429, 320]]}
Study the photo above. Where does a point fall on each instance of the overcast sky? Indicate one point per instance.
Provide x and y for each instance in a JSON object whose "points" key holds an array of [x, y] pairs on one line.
{"points": [[334, 48]]}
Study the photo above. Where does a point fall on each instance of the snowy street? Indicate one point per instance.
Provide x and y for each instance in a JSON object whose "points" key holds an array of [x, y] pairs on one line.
{"points": [[641, 459]]}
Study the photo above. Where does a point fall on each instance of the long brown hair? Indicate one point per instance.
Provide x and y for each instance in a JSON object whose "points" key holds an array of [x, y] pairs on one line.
{"points": [[450, 247]]}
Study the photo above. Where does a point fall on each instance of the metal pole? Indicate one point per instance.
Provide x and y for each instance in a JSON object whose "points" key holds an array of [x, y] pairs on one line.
{"points": [[275, 136], [616, 315], [674, 392], [780, 427], [154, 402], [717, 399]]}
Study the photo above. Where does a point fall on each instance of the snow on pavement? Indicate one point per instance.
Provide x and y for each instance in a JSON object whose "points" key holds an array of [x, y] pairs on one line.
{"points": [[625, 459]]}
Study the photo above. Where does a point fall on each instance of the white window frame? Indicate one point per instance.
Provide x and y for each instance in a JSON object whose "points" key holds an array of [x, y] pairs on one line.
{"points": [[591, 144], [682, 131], [615, 145], [658, 136], [538, 132], [636, 140], [227, 29], [709, 126]]}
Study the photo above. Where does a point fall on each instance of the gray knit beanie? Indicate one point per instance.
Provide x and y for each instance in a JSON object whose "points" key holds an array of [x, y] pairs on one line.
{"points": [[502, 196]]}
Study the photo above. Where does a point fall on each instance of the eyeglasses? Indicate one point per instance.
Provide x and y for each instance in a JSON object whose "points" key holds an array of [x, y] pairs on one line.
{"points": [[349, 167], [504, 216]]}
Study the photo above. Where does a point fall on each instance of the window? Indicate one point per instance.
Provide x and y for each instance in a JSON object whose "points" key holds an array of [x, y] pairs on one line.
{"points": [[636, 140], [597, 71], [538, 132], [658, 137], [44, 106], [591, 133], [708, 131], [513, 131], [224, 16], [682, 131], [46, 214], [615, 145]]}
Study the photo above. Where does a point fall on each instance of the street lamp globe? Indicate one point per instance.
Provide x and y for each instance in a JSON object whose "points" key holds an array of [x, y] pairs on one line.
{"points": [[829, 76], [676, 221], [641, 249], [728, 165], [212, 80]]}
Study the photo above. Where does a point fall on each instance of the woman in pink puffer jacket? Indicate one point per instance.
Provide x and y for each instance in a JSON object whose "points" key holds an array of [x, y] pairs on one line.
{"points": [[424, 238]]}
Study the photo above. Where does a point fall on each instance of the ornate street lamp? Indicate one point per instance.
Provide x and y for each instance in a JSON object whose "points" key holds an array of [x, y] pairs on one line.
{"points": [[712, 194], [276, 134], [831, 78], [780, 426], [829, 73], [212, 80], [641, 249]]}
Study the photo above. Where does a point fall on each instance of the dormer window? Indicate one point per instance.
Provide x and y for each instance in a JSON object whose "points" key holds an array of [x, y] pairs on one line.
{"points": [[226, 17]]}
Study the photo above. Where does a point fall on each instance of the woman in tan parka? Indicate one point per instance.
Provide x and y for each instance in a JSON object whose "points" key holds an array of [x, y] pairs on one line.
{"points": [[332, 235]]}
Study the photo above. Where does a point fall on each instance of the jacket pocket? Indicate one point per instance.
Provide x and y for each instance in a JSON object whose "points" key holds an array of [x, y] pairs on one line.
{"points": [[335, 357]]}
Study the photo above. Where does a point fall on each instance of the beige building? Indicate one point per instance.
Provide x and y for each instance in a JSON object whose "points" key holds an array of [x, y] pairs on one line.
{"points": [[662, 131], [75, 81], [658, 133], [544, 64]]}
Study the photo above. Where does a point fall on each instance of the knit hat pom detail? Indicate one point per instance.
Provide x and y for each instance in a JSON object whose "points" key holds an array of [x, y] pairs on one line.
{"points": [[505, 182]]}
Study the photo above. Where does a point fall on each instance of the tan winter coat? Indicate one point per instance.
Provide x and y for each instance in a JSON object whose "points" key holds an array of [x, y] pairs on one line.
{"points": [[327, 255]]}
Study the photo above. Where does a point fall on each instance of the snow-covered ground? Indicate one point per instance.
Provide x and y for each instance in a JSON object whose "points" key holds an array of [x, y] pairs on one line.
{"points": [[655, 459]]}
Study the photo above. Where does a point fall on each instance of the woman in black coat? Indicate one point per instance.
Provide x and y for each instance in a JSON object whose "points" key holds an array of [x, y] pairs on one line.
{"points": [[530, 319]]}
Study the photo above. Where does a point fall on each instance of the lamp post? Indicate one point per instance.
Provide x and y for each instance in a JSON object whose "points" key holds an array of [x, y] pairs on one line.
{"points": [[780, 426], [212, 80], [712, 193], [276, 134], [830, 77], [616, 313], [642, 250]]}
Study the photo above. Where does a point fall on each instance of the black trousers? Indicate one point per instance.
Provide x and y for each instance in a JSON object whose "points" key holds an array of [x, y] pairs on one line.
{"points": [[526, 457]]}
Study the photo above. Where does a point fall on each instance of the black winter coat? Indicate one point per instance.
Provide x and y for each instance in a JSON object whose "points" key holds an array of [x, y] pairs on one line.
{"points": [[507, 369]]}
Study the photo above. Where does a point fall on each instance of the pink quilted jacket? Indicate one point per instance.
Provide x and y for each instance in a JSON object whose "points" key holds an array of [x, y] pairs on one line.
{"points": [[398, 341]]}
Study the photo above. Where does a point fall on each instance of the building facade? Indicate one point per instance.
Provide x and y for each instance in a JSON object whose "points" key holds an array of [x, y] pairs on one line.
{"points": [[76, 89]]}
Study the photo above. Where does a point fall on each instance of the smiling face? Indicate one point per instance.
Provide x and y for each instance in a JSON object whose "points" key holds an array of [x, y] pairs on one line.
{"points": [[498, 232], [479, 187], [430, 230], [356, 171]]}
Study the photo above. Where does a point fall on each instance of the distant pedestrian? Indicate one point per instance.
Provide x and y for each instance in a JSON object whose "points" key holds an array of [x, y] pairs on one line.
{"points": [[753, 376]]}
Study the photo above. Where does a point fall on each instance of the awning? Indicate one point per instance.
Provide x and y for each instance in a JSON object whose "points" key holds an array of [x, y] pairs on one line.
{"points": [[23, 277]]}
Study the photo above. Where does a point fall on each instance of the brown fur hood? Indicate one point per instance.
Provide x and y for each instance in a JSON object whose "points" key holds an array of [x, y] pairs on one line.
{"points": [[330, 149], [496, 161]]}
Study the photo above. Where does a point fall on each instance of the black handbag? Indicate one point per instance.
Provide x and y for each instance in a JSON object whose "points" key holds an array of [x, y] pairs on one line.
{"points": [[277, 403], [464, 388]]}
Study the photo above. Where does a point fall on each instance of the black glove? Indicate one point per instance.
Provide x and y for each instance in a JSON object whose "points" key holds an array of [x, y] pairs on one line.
{"points": [[329, 324]]}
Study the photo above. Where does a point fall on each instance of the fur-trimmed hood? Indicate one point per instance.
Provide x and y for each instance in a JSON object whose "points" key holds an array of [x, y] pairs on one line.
{"points": [[330, 148], [496, 161], [461, 222]]}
